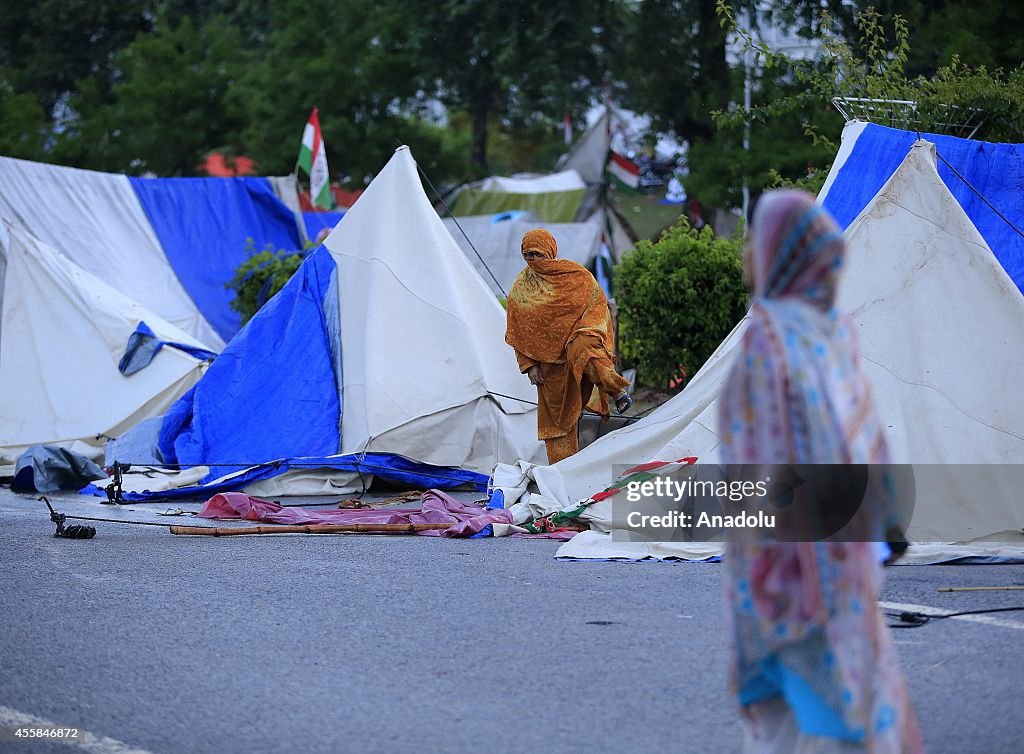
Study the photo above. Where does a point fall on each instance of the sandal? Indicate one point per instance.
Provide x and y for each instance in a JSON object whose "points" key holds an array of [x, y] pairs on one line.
{"points": [[623, 403]]}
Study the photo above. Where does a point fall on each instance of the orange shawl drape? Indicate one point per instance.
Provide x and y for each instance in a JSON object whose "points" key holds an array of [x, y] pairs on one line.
{"points": [[558, 316]]}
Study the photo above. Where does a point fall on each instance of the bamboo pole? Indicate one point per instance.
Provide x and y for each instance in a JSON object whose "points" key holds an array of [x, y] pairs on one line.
{"points": [[980, 588], [229, 531]]}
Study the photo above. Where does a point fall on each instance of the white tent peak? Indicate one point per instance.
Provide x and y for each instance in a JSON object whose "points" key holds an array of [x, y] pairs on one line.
{"points": [[426, 370]]}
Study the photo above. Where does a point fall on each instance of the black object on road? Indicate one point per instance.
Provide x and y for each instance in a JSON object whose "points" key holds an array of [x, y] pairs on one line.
{"points": [[75, 531]]}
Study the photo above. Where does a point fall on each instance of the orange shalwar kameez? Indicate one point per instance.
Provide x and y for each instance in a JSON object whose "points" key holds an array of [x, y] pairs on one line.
{"points": [[558, 319]]}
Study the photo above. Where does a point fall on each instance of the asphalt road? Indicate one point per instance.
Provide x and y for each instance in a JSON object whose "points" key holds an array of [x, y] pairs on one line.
{"points": [[301, 643]]}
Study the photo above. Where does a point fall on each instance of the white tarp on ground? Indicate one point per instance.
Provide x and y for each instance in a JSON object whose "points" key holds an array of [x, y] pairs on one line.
{"points": [[62, 333], [96, 221], [941, 330], [500, 243], [427, 373]]}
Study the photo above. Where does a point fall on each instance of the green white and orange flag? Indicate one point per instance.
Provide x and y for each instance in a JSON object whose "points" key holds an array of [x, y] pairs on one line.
{"points": [[313, 159]]}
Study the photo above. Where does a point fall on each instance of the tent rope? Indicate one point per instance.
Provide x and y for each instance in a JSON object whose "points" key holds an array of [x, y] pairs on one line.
{"points": [[980, 195], [456, 221]]}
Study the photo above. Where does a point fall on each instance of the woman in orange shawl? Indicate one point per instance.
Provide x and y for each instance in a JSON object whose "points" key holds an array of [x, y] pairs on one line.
{"points": [[561, 329]]}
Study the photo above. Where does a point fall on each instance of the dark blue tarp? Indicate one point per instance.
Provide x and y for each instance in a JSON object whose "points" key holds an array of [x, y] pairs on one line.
{"points": [[203, 224], [271, 401], [317, 221], [995, 170], [394, 468], [273, 392]]}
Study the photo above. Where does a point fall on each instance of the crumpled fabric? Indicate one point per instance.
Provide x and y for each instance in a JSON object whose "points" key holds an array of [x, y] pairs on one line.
{"points": [[143, 346], [467, 519], [436, 507], [46, 468]]}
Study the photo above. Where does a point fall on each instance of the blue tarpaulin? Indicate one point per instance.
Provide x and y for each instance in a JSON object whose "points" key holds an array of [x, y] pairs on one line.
{"points": [[317, 221], [394, 468], [996, 171], [273, 392], [271, 401], [203, 225]]}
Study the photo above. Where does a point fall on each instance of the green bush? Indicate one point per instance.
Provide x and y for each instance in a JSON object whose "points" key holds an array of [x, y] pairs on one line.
{"points": [[678, 298], [262, 275]]}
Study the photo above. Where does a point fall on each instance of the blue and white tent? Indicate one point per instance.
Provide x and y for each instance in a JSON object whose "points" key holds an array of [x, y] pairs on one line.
{"points": [[384, 355], [987, 181], [171, 243], [63, 337]]}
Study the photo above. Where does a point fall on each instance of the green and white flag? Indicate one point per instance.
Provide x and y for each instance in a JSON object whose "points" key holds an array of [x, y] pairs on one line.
{"points": [[313, 159]]}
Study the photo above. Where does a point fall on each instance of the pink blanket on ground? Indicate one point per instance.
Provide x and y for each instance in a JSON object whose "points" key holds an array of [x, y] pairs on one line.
{"points": [[435, 508]]}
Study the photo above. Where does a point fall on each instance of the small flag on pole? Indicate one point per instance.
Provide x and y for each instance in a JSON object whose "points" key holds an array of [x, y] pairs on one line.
{"points": [[313, 159], [624, 169], [568, 129]]}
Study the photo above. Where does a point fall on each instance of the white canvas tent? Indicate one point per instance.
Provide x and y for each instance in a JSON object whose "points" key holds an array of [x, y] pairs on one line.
{"points": [[96, 220], [498, 242], [62, 333], [386, 341], [941, 330], [427, 372]]}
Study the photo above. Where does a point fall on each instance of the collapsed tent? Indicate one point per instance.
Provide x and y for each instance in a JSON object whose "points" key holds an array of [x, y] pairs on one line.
{"points": [[492, 244], [63, 333], [383, 355], [172, 243], [986, 179], [937, 318]]}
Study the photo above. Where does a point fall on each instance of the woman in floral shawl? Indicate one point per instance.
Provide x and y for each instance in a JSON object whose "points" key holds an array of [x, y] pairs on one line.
{"points": [[561, 329], [813, 664]]}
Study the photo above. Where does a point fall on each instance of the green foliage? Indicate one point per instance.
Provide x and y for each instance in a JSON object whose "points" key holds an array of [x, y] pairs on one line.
{"points": [[24, 123], [521, 61], [677, 68], [678, 298], [784, 147], [867, 76], [51, 45], [170, 105], [262, 275]]}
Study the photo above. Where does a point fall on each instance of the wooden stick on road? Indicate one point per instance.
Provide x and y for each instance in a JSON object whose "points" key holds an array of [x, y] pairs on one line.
{"points": [[230, 531], [979, 588]]}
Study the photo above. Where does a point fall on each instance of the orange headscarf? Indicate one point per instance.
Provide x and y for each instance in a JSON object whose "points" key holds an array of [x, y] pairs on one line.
{"points": [[552, 301]]}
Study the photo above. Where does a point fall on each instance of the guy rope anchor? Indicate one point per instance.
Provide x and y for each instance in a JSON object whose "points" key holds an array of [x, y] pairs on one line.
{"points": [[75, 531]]}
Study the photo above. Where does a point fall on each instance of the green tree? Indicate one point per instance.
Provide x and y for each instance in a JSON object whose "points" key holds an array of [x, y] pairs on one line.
{"points": [[676, 71], [25, 125], [523, 62], [678, 298], [170, 105], [355, 63], [869, 78], [986, 34], [51, 45], [262, 275]]}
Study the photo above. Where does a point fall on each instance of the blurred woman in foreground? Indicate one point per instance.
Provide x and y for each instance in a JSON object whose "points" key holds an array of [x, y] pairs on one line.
{"points": [[813, 664]]}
